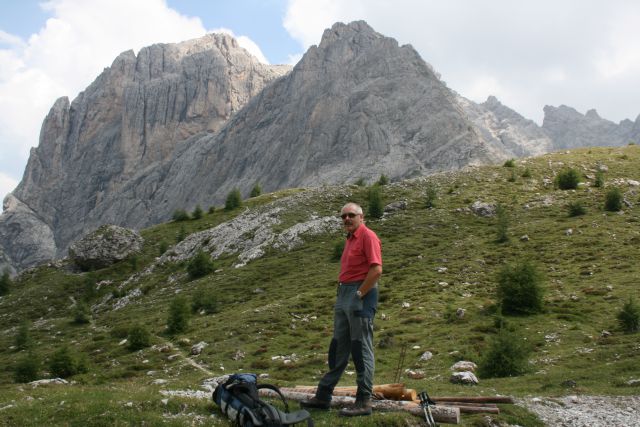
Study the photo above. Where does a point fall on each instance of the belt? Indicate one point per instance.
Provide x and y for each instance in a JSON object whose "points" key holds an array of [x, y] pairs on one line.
{"points": [[351, 283]]}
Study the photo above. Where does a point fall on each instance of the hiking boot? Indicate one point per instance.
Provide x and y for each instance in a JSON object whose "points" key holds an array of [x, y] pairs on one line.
{"points": [[315, 403], [360, 408]]}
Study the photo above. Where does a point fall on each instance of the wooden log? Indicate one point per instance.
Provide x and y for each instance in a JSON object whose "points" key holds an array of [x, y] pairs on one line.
{"points": [[441, 414], [396, 391], [473, 399]]}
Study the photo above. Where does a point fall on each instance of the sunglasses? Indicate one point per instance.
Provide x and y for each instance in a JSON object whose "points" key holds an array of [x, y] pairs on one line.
{"points": [[349, 214]]}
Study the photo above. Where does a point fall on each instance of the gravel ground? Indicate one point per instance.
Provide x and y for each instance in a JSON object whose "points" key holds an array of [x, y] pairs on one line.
{"points": [[586, 411]]}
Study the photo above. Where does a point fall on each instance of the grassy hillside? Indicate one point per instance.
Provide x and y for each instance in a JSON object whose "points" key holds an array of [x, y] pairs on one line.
{"points": [[435, 261]]}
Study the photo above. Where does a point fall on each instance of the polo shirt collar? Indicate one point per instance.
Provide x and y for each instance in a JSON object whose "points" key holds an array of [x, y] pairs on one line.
{"points": [[358, 231]]}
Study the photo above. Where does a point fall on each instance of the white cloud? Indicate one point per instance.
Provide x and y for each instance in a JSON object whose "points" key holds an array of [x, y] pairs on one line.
{"points": [[579, 53], [81, 38], [7, 184]]}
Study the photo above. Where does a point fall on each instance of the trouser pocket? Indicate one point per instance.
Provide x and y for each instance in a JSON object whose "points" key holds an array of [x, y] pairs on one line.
{"points": [[369, 304]]}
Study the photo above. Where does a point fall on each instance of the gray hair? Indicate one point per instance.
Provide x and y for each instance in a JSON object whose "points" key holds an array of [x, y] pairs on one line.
{"points": [[356, 206]]}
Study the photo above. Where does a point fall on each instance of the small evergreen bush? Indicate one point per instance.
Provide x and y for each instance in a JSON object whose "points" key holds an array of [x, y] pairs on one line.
{"points": [[629, 317], [431, 196], [182, 234], [233, 201], [180, 215], [200, 265], [204, 299], [509, 163], [568, 179], [65, 364], [507, 355], [5, 282], [256, 190], [138, 338], [512, 177], [613, 200], [502, 225], [81, 313], [23, 340], [375, 202], [27, 368], [360, 182], [212, 209], [576, 209], [338, 248], [599, 180], [179, 314], [89, 291], [520, 288], [162, 247], [526, 173], [383, 180], [197, 212]]}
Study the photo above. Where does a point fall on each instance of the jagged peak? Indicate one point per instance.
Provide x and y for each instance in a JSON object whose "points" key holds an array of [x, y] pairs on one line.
{"points": [[341, 31], [592, 114]]}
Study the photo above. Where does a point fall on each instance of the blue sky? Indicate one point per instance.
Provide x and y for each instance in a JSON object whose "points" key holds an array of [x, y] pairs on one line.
{"points": [[580, 53]]}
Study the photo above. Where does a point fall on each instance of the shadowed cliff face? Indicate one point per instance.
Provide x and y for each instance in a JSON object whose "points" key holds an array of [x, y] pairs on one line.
{"points": [[128, 121]]}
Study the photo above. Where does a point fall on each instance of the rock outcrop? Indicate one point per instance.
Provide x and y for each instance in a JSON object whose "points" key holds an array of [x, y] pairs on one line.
{"points": [[568, 129], [125, 125], [507, 130], [105, 246]]}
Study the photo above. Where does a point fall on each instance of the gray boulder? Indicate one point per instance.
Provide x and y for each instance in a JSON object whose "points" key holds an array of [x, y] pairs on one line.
{"points": [[483, 209], [105, 246]]}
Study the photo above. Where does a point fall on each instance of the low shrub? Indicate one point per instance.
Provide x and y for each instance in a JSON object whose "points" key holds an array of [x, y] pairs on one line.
{"points": [[138, 338], [65, 364], [27, 368], [5, 282], [629, 317], [507, 355], [256, 190], [180, 215], [162, 247], [233, 201], [179, 315], [520, 288], [576, 209], [613, 200], [568, 179], [502, 224], [81, 313], [197, 212], [599, 180], [431, 196], [204, 299], [23, 339], [375, 209], [526, 173], [509, 163], [338, 248], [200, 265], [383, 180], [360, 182]]}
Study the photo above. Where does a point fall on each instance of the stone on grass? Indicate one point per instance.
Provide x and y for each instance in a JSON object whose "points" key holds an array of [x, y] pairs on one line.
{"points": [[464, 378], [465, 366], [197, 348], [427, 355], [483, 209], [105, 246]]}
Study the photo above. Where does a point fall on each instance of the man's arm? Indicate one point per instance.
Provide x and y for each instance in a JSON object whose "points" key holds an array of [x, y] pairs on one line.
{"points": [[375, 271]]}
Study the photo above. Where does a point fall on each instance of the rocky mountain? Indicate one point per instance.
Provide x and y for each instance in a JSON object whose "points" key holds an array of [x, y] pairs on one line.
{"points": [[506, 129], [570, 129], [125, 124], [183, 124]]}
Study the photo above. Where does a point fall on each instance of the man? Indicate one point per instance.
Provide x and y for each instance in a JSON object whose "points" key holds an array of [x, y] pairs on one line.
{"points": [[356, 303]]}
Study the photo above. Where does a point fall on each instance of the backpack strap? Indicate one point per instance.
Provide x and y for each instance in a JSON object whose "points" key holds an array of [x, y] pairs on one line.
{"points": [[277, 390]]}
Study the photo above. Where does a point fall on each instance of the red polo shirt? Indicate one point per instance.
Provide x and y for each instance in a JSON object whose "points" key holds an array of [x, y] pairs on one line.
{"points": [[361, 251]]}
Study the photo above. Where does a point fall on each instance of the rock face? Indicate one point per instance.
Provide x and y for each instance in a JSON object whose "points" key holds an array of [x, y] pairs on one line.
{"points": [[105, 246], [124, 125], [183, 124], [506, 129], [570, 129], [357, 105]]}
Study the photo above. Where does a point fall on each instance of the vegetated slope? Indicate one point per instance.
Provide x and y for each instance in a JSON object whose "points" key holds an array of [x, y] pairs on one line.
{"points": [[279, 306]]}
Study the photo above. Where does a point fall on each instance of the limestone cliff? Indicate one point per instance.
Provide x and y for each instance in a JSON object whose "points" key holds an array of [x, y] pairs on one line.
{"points": [[126, 123]]}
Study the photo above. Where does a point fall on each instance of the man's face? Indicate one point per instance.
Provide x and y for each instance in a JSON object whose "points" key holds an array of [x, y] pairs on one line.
{"points": [[351, 220]]}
